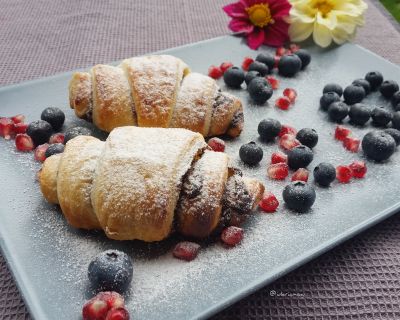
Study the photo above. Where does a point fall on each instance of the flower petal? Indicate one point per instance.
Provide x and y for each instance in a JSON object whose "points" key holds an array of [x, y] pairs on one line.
{"points": [[299, 31], [236, 10], [330, 21], [241, 25], [276, 34], [256, 38], [322, 35]]}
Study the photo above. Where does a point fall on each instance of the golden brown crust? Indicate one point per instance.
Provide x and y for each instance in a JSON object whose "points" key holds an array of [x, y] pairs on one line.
{"points": [[137, 181], [155, 81], [200, 205], [48, 178], [80, 93], [74, 181]]}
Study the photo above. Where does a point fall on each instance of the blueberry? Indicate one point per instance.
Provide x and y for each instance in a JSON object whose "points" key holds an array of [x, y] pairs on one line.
{"points": [[234, 77], [76, 131], [308, 137], [337, 111], [374, 78], [333, 87], [111, 270], [396, 101], [251, 75], [388, 88], [267, 59], [359, 114], [40, 131], [260, 90], [304, 56], [396, 120], [324, 174], [394, 133], [268, 129], [327, 99], [363, 83], [381, 117], [250, 153], [353, 94], [289, 65], [260, 67], [54, 149], [54, 116], [300, 157], [378, 145], [299, 196]]}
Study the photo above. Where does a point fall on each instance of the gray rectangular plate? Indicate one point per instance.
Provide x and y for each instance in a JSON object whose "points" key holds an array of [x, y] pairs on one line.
{"points": [[49, 259]]}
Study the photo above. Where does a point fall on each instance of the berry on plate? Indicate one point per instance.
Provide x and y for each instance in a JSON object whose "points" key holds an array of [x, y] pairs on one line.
{"points": [[353, 94], [217, 144], [76, 131], [6, 128], [118, 314], [250, 153], [285, 129], [299, 196], [291, 94], [289, 65], [269, 203], [324, 174], [99, 306], [54, 149], [232, 235], [215, 72], [288, 142], [388, 88], [225, 66], [260, 67], [308, 137], [396, 101], [352, 144], [381, 116], [396, 120], [378, 145], [278, 157], [234, 77], [394, 133], [300, 157], [359, 114], [301, 174], [327, 99], [250, 75], [337, 111], [40, 131], [54, 116], [281, 51], [341, 133], [260, 90], [40, 152], [23, 142], [269, 129], [20, 127], [186, 250], [358, 169], [111, 270], [274, 82], [333, 87], [57, 138], [283, 103], [363, 83], [343, 174], [278, 171], [304, 56], [375, 78], [19, 118], [247, 61], [266, 59]]}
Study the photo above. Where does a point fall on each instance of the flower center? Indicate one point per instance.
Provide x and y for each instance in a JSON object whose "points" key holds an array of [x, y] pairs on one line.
{"points": [[260, 15], [324, 7]]}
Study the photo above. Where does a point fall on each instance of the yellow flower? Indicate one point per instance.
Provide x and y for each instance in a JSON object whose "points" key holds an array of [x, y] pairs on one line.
{"points": [[326, 20]]}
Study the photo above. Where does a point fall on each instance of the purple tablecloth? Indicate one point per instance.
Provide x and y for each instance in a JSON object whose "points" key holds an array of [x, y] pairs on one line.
{"points": [[359, 280]]}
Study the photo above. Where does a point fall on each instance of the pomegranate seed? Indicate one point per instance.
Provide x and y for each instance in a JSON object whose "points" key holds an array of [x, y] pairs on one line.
{"points": [[276, 61], [294, 47], [56, 138], [287, 130], [300, 175], [280, 51], [273, 82], [291, 94], [278, 157], [217, 144], [232, 235], [118, 314], [6, 128], [18, 118], [94, 309], [269, 203], [351, 144], [246, 63], [282, 103], [23, 142], [225, 66], [112, 298], [214, 72], [341, 133], [288, 142], [40, 152], [186, 250], [20, 127], [343, 174], [278, 171], [358, 169]]}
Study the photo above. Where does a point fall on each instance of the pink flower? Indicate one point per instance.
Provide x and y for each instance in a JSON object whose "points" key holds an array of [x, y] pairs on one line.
{"points": [[261, 21]]}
